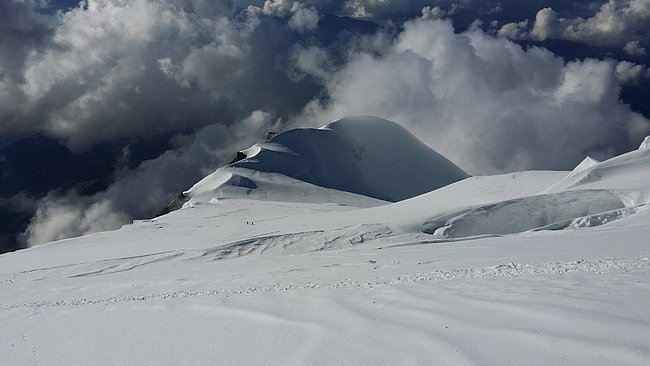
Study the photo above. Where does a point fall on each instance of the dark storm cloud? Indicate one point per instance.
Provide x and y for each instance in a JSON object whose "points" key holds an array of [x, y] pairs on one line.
{"points": [[114, 69], [109, 70], [21, 30]]}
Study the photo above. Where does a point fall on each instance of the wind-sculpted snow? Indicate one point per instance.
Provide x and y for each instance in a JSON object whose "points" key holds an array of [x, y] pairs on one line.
{"points": [[233, 182], [510, 269], [284, 244], [368, 156]]}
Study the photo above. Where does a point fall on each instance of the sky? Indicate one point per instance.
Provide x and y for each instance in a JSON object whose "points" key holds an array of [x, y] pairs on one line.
{"points": [[495, 86]]}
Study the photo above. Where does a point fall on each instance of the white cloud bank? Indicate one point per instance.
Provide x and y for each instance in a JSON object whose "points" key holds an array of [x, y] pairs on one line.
{"points": [[485, 102], [115, 69], [631, 73], [634, 48], [617, 23]]}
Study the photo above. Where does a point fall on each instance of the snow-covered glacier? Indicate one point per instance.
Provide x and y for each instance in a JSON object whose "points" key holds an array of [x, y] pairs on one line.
{"points": [[355, 244]]}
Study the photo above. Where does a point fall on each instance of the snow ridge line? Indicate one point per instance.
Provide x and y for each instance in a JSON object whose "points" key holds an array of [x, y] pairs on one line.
{"points": [[598, 266]]}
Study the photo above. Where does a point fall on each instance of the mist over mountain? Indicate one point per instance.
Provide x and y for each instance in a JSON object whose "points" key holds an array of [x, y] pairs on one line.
{"points": [[101, 99]]}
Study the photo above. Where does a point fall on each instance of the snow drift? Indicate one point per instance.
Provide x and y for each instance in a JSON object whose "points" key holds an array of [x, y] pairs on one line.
{"points": [[367, 156]]}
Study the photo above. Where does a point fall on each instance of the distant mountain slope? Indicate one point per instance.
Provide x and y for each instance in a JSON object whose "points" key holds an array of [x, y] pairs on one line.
{"points": [[367, 156]]}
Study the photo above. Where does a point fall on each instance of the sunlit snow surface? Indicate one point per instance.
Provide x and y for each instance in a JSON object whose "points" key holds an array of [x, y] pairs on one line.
{"points": [[530, 268]]}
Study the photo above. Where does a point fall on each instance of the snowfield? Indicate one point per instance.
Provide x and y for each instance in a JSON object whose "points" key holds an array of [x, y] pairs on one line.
{"points": [[351, 244]]}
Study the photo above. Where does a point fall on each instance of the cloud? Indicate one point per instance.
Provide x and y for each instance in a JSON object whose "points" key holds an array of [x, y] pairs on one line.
{"points": [[111, 70], [463, 12], [547, 25], [514, 30], [631, 73], [383, 8], [63, 217], [634, 48], [617, 23], [304, 19], [21, 30], [430, 13], [143, 191], [313, 61], [278, 8], [96, 79], [485, 102]]}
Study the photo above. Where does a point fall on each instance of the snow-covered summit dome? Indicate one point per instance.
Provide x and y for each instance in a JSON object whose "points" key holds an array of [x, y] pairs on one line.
{"points": [[363, 155]]}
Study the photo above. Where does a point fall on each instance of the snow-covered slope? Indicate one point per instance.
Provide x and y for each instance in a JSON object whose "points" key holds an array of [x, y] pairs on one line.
{"points": [[630, 172], [365, 155], [592, 194], [532, 268]]}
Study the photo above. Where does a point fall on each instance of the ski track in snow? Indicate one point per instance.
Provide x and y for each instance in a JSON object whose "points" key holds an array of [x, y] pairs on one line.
{"points": [[502, 270]]}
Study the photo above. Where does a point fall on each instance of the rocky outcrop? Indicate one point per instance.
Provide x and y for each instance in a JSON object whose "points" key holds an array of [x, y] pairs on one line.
{"points": [[174, 205]]}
